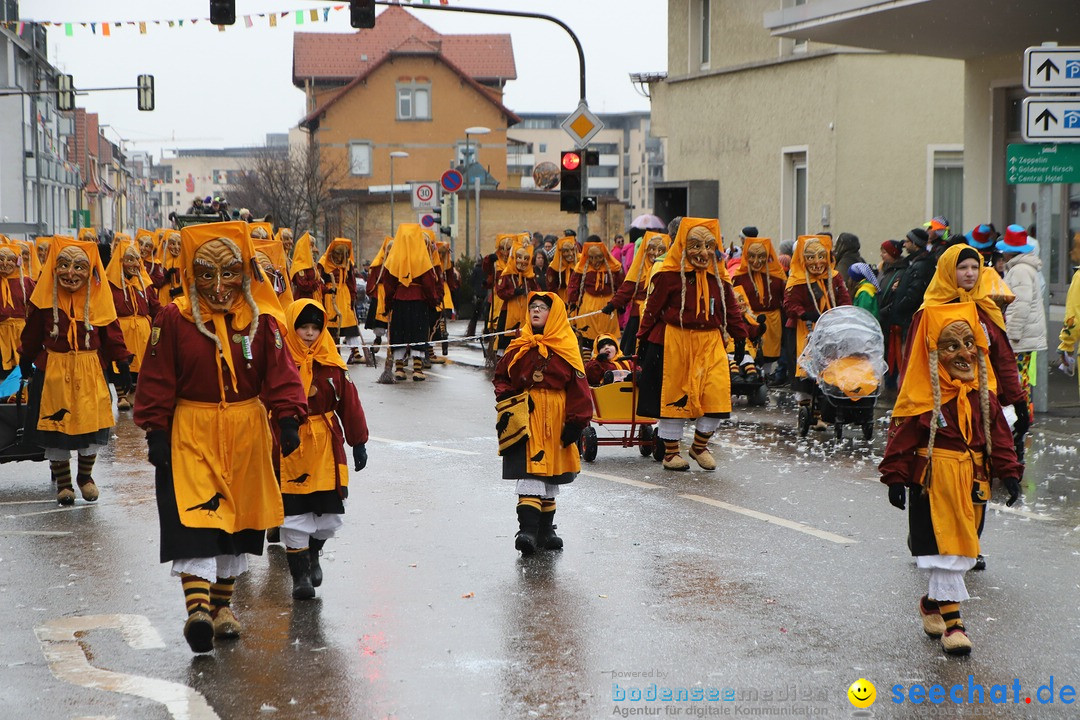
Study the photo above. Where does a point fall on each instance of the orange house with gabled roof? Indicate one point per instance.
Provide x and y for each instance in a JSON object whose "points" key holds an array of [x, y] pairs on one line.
{"points": [[403, 87]]}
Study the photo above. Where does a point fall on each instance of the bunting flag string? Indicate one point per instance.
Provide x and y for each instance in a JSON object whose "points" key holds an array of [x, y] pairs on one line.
{"points": [[271, 19]]}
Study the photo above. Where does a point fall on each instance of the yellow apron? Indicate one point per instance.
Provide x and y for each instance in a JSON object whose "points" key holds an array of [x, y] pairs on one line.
{"points": [[592, 327], [223, 474], [770, 341], [341, 303], [953, 513], [10, 337], [697, 379], [74, 397], [311, 467], [516, 311], [545, 454], [136, 329], [448, 298]]}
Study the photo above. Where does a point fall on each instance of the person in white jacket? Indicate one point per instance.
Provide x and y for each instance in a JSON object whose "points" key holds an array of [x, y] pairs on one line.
{"points": [[1025, 317]]}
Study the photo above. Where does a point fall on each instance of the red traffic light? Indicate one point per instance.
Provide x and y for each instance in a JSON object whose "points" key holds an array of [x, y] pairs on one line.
{"points": [[571, 161]]}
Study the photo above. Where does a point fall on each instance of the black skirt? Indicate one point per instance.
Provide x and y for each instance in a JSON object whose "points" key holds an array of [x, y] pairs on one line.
{"points": [[650, 379], [179, 542], [629, 336], [321, 502], [52, 438], [515, 464], [410, 323]]}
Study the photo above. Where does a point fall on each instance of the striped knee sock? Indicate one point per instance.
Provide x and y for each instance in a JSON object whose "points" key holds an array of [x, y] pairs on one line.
{"points": [[196, 593], [701, 440], [950, 613], [86, 468], [671, 448], [547, 505], [61, 473], [532, 501], [221, 593]]}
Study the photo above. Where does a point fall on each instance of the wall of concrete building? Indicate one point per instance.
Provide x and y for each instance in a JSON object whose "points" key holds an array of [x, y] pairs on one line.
{"points": [[199, 169]]}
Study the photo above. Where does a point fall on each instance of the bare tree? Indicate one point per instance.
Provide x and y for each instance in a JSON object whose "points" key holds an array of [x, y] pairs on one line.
{"points": [[291, 185]]}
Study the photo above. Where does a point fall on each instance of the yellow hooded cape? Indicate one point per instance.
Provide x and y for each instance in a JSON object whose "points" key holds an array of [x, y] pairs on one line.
{"points": [[409, 258], [102, 311], [641, 267], [774, 268], [943, 288], [558, 337], [322, 351], [675, 261], [302, 258], [274, 250]]}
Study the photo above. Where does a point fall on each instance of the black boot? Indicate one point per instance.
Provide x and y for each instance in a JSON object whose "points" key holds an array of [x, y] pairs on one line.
{"points": [[314, 546], [300, 569], [528, 526], [546, 539]]}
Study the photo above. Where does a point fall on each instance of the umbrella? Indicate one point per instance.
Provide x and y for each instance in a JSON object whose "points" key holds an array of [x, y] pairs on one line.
{"points": [[648, 222]]}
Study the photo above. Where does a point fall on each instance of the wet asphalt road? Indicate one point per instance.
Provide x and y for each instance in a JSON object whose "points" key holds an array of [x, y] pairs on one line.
{"points": [[692, 580]]}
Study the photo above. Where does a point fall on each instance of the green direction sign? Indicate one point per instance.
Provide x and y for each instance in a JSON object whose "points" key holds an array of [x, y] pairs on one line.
{"points": [[1042, 163], [80, 218]]}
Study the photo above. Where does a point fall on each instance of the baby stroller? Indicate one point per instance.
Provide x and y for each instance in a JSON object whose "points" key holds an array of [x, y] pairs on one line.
{"points": [[845, 355], [13, 445]]}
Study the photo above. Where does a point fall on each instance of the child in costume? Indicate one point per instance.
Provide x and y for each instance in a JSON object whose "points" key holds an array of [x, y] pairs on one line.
{"points": [[518, 279], [71, 336], [593, 283], [756, 327], [136, 303], [603, 361], [16, 286], [338, 272], [215, 374], [545, 363], [411, 293], [948, 437], [315, 478], [635, 288], [684, 368]]}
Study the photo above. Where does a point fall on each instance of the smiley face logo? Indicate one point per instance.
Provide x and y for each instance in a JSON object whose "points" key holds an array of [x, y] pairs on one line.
{"points": [[862, 693]]}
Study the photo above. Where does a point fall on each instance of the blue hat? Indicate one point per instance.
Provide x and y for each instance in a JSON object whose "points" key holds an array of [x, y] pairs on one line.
{"points": [[979, 237], [1015, 240]]}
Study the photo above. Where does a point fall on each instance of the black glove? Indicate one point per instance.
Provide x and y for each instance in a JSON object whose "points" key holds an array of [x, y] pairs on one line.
{"points": [[290, 435], [359, 456], [1013, 486], [740, 350], [608, 309], [159, 448], [176, 292], [329, 291], [326, 277], [761, 319], [26, 367], [1023, 419], [521, 290], [897, 493], [570, 434], [810, 316], [123, 382], [172, 274]]}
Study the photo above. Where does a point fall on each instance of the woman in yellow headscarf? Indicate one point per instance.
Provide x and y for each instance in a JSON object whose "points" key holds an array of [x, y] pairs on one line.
{"points": [[16, 287], [517, 279], [412, 292], [136, 306], [593, 283], [315, 478], [71, 336], [762, 277], [169, 259], [563, 262], [338, 271], [684, 369], [635, 288], [305, 281], [378, 314], [813, 287], [545, 363], [215, 371], [947, 438]]}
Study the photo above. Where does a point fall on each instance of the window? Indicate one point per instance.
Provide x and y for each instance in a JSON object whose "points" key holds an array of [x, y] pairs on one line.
{"points": [[360, 158], [413, 102], [800, 45], [793, 193], [543, 147], [945, 194], [704, 20]]}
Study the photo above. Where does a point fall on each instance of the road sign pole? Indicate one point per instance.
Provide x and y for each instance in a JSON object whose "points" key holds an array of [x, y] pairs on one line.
{"points": [[583, 217], [1044, 233]]}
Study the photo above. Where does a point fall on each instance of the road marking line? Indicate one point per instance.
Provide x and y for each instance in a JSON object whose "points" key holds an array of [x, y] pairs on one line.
{"points": [[41, 533], [422, 445], [782, 522], [68, 662], [438, 375], [1002, 508], [624, 481], [49, 512], [27, 502]]}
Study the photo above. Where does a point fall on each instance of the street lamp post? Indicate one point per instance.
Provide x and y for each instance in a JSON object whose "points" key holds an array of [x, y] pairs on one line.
{"points": [[395, 154], [470, 131]]}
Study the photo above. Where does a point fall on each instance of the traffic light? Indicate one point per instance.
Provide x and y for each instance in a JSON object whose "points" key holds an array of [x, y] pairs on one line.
{"points": [[223, 12], [362, 13], [65, 92], [571, 170], [445, 214], [146, 92]]}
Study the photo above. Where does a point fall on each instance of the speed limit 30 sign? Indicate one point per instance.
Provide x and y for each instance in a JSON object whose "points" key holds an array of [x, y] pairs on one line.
{"points": [[425, 195]]}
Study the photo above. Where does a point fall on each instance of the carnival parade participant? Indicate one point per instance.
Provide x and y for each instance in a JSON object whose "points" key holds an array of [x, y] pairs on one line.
{"points": [[864, 287], [517, 279], [136, 304], [451, 281], [745, 368], [1025, 318], [593, 283], [305, 280], [71, 336], [411, 292], [762, 278], [40, 251], [272, 258], [813, 287], [210, 440], [285, 237], [315, 478], [605, 359], [169, 260], [144, 241], [16, 286], [338, 272], [493, 266], [947, 438], [378, 314], [635, 287], [684, 369], [1070, 328], [542, 376], [563, 261]]}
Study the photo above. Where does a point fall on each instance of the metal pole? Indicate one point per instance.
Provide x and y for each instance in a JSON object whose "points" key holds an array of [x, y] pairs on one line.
{"points": [[391, 195], [1045, 236], [477, 186], [466, 180], [583, 217]]}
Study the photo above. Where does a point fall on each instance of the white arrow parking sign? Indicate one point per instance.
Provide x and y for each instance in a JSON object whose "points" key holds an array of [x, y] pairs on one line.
{"points": [[1052, 69], [1051, 119]]}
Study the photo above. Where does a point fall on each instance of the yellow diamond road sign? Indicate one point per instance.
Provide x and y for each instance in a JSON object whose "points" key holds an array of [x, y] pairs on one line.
{"points": [[582, 125]]}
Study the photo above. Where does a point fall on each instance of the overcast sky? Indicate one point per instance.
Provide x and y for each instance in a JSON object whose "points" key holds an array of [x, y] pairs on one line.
{"points": [[220, 89]]}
